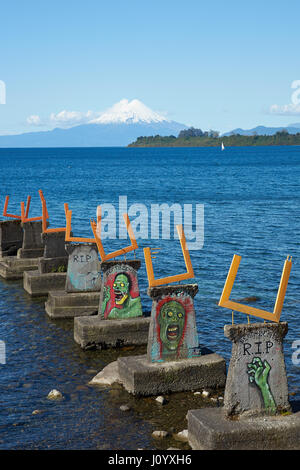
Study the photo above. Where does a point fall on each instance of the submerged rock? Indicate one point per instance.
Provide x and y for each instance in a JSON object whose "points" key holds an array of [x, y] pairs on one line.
{"points": [[125, 408]]}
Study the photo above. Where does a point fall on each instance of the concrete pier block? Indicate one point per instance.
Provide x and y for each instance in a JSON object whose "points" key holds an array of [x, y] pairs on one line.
{"points": [[83, 273], [32, 246], [141, 377], [92, 332], [54, 245], [52, 265], [210, 429], [120, 295], [12, 268], [51, 274], [173, 331], [61, 304], [11, 237], [256, 381], [256, 412], [38, 285]]}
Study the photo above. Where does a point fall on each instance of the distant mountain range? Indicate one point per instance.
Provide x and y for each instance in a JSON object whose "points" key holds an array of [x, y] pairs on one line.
{"points": [[262, 130], [118, 127]]}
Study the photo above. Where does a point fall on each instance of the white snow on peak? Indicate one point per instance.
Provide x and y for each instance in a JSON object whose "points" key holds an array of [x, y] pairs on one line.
{"points": [[128, 112]]}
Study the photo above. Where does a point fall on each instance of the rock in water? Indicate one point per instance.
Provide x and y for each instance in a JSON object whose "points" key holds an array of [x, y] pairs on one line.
{"points": [[159, 434], [107, 376], [182, 436], [55, 395], [125, 408], [161, 400]]}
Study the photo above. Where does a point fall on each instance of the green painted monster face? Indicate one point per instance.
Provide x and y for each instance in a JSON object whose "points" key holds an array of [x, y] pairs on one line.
{"points": [[121, 288], [171, 319]]}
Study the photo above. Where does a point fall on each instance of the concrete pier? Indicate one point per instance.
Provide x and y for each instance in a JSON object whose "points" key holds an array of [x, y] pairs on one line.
{"points": [[257, 348], [120, 321], [13, 267], [174, 361], [209, 429], [143, 378], [11, 237], [52, 267], [32, 246], [83, 273], [82, 287], [92, 333], [39, 285], [256, 413], [61, 304], [120, 295]]}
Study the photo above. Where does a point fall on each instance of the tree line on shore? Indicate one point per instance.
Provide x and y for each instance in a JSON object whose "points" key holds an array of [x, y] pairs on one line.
{"points": [[197, 138]]}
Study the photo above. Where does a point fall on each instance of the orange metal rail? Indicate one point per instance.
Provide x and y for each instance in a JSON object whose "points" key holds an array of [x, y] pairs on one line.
{"points": [[257, 312], [177, 277]]}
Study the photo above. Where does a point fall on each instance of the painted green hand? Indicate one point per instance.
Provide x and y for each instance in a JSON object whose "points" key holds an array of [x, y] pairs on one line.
{"points": [[259, 373]]}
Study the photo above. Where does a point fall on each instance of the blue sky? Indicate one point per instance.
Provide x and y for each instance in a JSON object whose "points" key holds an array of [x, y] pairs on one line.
{"points": [[214, 65]]}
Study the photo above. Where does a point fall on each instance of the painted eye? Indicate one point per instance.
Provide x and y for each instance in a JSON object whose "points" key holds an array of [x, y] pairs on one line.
{"points": [[179, 315], [170, 314], [115, 285], [122, 284]]}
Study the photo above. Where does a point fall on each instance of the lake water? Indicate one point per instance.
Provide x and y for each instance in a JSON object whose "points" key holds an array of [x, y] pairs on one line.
{"points": [[251, 203]]}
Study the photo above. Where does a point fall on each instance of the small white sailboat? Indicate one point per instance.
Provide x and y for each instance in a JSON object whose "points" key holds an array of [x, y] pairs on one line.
{"points": [[222, 146]]}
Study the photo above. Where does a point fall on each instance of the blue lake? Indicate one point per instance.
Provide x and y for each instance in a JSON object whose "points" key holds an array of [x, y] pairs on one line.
{"points": [[251, 201]]}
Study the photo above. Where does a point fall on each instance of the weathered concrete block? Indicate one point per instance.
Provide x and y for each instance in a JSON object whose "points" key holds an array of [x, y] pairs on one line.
{"points": [[38, 285], [140, 377], [83, 273], [11, 237], [12, 268], [92, 332], [256, 381], [120, 295], [32, 246], [52, 265], [210, 429], [173, 332], [54, 245], [61, 304]]}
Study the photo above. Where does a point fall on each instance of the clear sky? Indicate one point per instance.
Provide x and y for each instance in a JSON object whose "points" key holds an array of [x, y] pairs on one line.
{"points": [[214, 65]]}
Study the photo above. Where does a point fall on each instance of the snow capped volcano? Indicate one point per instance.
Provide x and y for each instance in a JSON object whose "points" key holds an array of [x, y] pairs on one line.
{"points": [[118, 126], [129, 112]]}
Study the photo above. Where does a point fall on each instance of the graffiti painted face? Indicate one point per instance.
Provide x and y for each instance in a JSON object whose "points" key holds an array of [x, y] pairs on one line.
{"points": [[121, 288], [171, 320]]}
